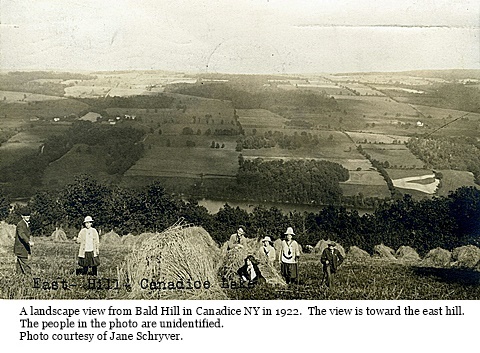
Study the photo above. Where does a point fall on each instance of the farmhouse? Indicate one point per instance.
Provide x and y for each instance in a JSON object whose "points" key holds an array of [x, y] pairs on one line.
{"points": [[91, 116]]}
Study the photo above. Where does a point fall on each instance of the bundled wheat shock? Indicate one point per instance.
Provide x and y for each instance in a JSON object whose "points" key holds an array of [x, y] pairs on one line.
{"points": [[174, 264]]}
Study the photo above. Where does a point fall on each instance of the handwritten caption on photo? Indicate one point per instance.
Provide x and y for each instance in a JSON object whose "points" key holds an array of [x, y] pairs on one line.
{"points": [[169, 323]]}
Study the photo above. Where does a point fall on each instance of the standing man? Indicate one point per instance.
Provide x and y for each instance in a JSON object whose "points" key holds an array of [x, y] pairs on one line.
{"points": [[237, 240], [289, 255], [23, 244], [331, 260]]}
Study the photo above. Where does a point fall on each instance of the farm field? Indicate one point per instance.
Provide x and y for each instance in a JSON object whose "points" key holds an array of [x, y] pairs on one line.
{"points": [[259, 118], [81, 159], [396, 155], [27, 142], [23, 97], [186, 161], [453, 179], [368, 279], [373, 107], [360, 137]]}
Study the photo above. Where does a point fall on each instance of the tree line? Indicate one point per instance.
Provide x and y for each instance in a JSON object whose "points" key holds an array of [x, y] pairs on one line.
{"points": [[446, 222]]}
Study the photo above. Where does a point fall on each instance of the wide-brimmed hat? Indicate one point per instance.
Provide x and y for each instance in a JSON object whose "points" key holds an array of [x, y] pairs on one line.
{"points": [[88, 219], [289, 231], [241, 230], [267, 238]]}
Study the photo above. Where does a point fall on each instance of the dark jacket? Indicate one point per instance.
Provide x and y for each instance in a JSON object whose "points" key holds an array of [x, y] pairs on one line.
{"points": [[243, 271], [21, 247], [334, 259]]}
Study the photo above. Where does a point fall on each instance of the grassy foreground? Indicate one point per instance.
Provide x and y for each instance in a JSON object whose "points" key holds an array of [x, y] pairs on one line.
{"points": [[372, 279]]}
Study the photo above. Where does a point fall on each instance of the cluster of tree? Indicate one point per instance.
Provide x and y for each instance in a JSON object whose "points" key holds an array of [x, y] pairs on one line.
{"points": [[445, 222], [217, 145], [261, 99], [282, 140], [448, 153], [160, 101], [293, 181]]}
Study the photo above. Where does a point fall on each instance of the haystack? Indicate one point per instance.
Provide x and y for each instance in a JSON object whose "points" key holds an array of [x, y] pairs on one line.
{"points": [[355, 253], [135, 240], [384, 252], [7, 234], [180, 256], [407, 253], [110, 238], [59, 235], [466, 256], [323, 244], [235, 258], [437, 257]]}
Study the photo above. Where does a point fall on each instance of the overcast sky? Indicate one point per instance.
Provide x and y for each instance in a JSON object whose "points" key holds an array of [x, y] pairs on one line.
{"points": [[240, 36]]}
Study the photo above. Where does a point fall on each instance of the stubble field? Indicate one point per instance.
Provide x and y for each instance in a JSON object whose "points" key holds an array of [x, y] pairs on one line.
{"points": [[369, 279]]}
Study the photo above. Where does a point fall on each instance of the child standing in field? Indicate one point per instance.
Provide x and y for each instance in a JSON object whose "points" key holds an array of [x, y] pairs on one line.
{"points": [[289, 255], [89, 247]]}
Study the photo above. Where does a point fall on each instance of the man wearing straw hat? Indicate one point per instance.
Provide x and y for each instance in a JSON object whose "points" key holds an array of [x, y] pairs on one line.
{"points": [[289, 255], [267, 251], [237, 239], [23, 244], [331, 260]]}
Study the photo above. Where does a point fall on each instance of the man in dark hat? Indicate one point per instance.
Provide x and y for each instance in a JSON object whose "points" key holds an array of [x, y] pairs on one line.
{"points": [[23, 244], [331, 260]]}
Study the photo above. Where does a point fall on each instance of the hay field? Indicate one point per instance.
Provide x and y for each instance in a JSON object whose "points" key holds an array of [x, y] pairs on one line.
{"points": [[185, 161], [367, 278]]}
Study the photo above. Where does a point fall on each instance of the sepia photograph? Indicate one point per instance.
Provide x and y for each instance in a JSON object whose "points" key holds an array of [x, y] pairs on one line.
{"points": [[240, 150]]}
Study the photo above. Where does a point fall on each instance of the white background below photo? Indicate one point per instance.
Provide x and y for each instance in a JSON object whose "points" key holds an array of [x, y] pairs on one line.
{"points": [[335, 325]]}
